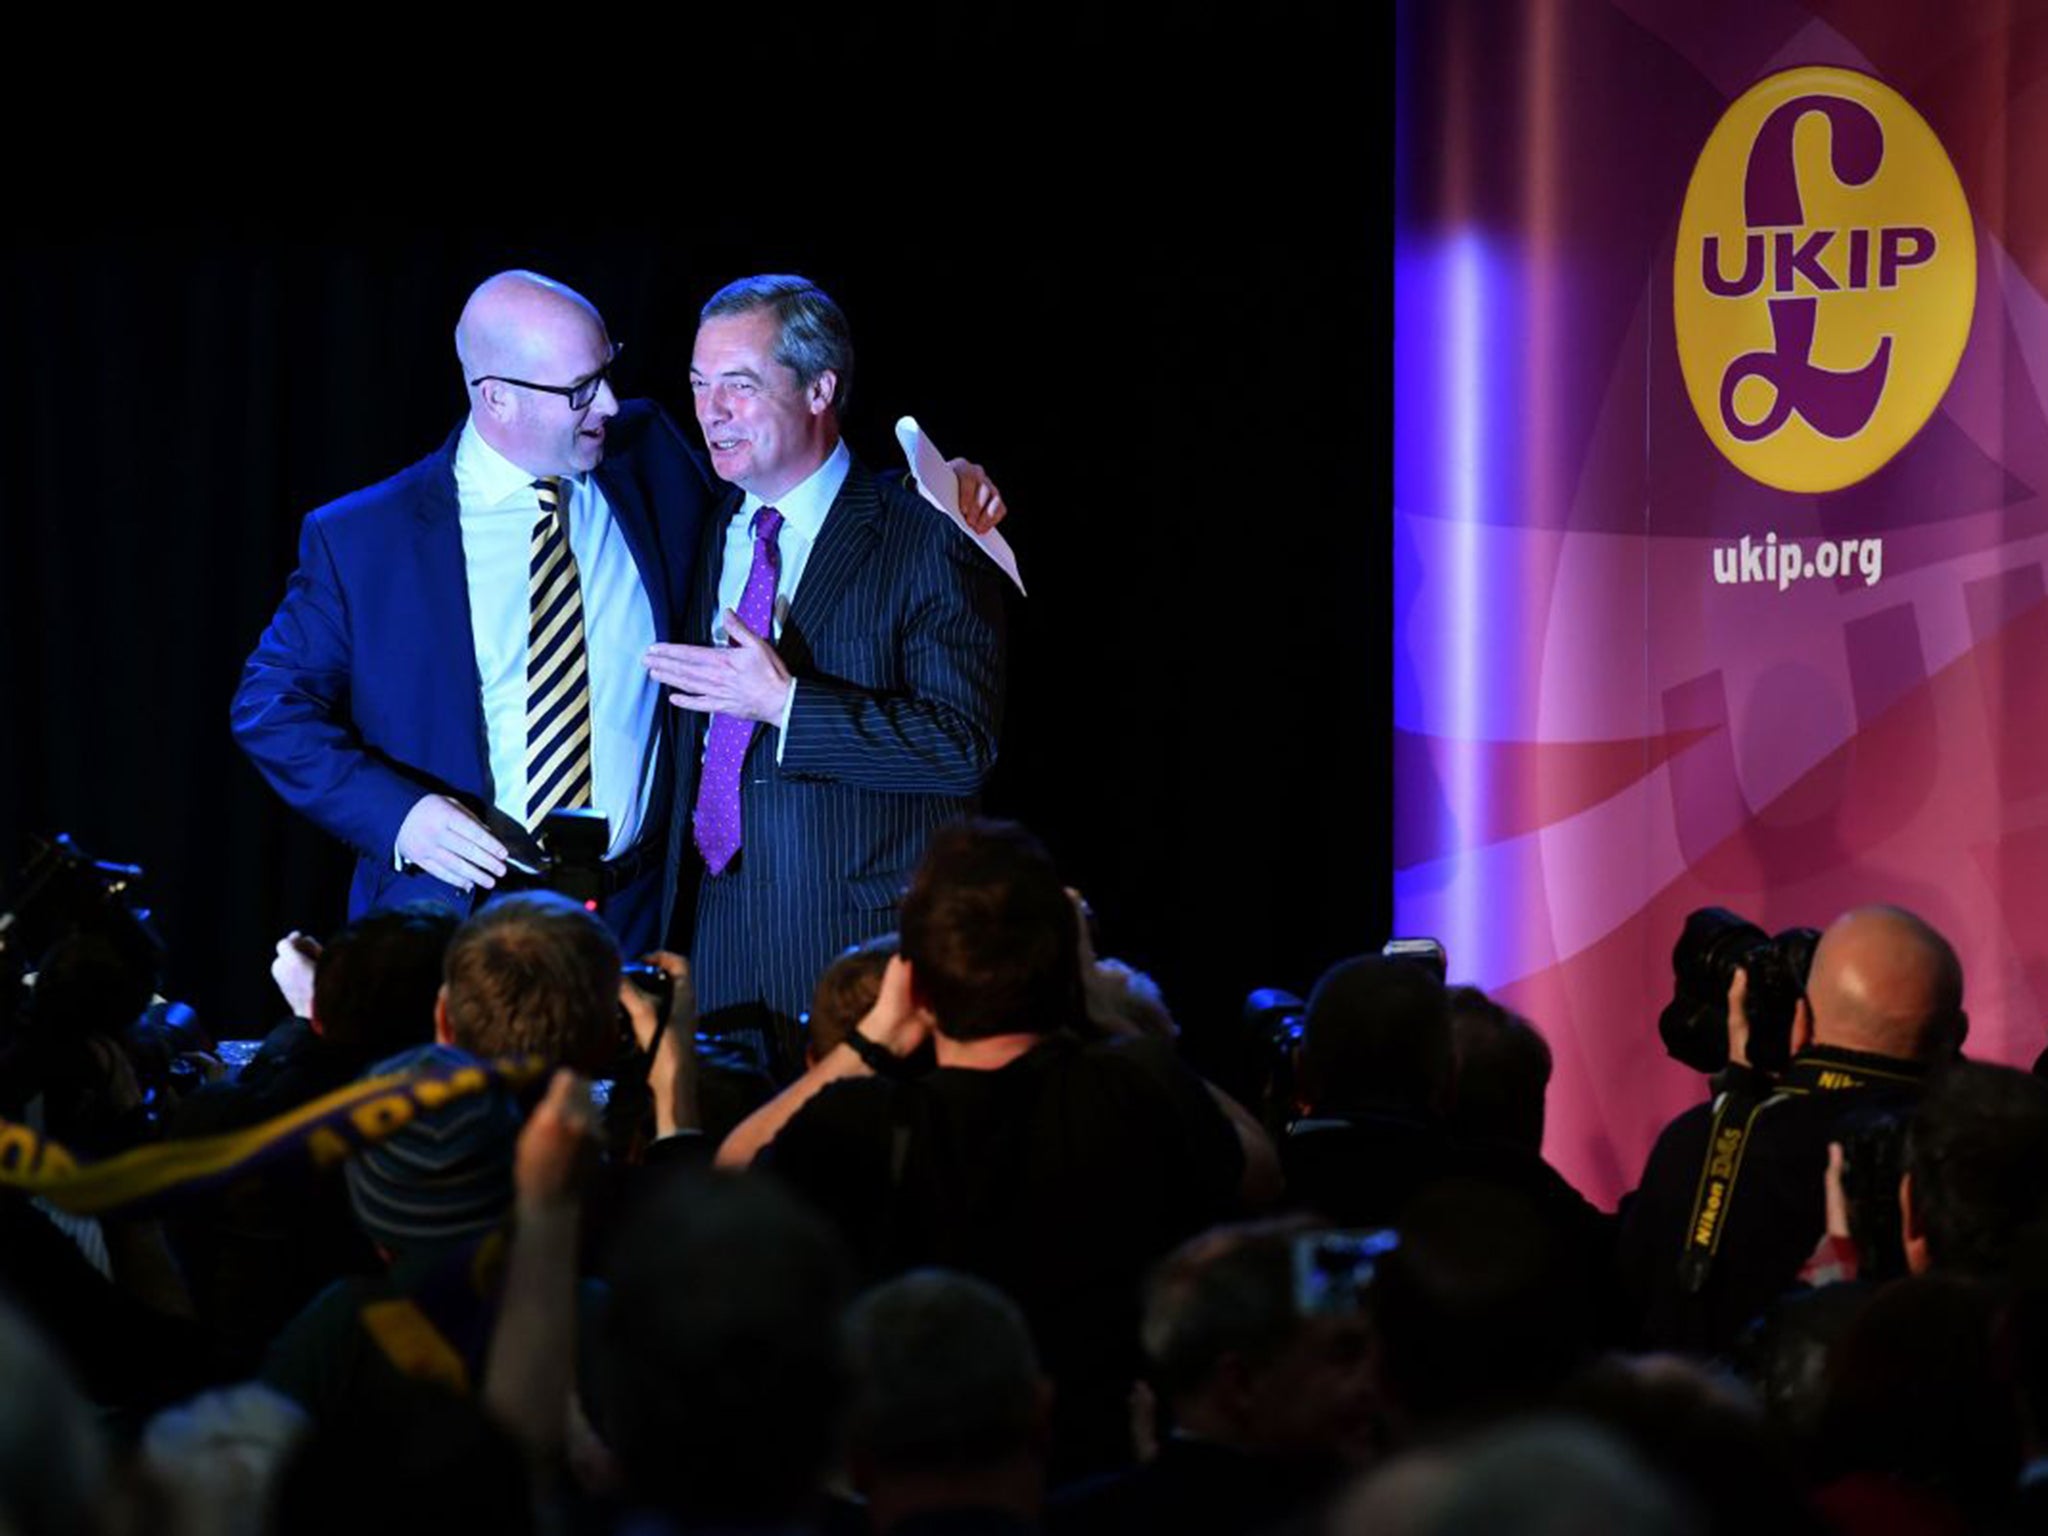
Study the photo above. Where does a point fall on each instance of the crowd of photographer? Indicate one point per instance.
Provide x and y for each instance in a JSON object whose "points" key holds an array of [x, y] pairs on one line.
{"points": [[999, 1259]]}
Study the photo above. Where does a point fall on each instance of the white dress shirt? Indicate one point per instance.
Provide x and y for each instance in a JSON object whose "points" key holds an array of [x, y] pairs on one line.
{"points": [[804, 509], [499, 507]]}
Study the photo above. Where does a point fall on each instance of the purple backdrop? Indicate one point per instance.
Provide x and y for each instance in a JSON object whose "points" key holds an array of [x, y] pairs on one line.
{"points": [[1609, 707]]}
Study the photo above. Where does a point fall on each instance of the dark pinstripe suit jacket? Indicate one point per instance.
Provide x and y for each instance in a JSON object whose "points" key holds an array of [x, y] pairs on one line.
{"points": [[895, 637]]}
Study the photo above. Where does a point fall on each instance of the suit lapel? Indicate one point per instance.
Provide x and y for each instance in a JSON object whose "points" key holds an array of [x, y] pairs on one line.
{"points": [[710, 561], [687, 740], [629, 511], [689, 728], [849, 535], [450, 650]]}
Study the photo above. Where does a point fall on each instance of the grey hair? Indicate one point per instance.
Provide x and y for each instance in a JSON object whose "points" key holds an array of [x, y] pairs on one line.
{"points": [[814, 333]]}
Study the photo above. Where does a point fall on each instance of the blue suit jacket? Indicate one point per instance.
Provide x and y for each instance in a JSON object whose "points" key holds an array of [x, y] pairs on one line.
{"points": [[895, 639], [363, 693]]}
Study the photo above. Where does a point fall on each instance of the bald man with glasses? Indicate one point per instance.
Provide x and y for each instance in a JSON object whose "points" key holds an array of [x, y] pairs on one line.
{"points": [[458, 653]]}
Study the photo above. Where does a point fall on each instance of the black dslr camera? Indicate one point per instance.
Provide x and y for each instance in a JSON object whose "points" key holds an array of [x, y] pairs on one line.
{"points": [[78, 924], [61, 890], [1713, 946]]}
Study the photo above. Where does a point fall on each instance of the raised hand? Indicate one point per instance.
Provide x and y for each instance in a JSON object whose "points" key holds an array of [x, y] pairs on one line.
{"points": [[980, 502]]}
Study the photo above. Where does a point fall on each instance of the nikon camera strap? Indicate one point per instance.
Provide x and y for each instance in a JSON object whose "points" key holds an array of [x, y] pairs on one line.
{"points": [[1735, 1116]]}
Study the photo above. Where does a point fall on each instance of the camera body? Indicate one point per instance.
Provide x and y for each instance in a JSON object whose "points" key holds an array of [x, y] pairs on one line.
{"points": [[575, 842], [63, 890], [1714, 944]]}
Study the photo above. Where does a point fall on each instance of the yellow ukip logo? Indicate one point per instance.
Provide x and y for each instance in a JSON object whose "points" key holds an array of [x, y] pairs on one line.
{"points": [[1825, 277]]}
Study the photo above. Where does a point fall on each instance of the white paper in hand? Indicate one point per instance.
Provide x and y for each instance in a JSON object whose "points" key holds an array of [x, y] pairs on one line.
{"points": [[941, 488]]}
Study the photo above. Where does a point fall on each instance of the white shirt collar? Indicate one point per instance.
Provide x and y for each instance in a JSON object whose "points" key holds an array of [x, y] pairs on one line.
{"points": [[804, 505], [484, 477]]}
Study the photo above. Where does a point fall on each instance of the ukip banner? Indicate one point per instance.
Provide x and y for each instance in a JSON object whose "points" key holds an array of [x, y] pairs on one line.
{"points": [[1721, 353]]}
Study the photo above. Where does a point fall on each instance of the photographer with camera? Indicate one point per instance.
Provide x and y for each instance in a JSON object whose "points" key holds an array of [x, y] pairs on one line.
{"points": [[91, 1058], [256, 1251], [1058, 1165], [1732, 1202], [366, 994], [1375, 1080], [537, 971], [1263, 1362], [91, 1054]]}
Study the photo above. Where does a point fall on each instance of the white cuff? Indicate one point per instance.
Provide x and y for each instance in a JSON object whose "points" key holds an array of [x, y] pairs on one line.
{"points": [[782, 724]]}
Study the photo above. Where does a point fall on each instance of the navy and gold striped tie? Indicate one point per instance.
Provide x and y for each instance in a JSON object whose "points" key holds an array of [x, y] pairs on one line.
{"points": [[557, 670]]}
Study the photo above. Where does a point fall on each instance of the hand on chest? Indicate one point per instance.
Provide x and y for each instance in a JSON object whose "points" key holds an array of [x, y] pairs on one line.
{"points": [[838, 608]]}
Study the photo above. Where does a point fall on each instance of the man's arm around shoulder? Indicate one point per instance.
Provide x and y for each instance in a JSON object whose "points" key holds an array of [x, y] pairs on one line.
{"points": [[893, 1028]]}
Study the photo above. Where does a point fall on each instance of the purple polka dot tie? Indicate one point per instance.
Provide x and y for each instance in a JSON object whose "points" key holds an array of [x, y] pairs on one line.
{"points": [[717, 819]]}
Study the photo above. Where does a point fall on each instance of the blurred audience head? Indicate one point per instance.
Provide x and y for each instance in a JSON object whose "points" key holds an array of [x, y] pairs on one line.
{"points": [[1377, 1036], [990, 935], [1784, 1354], [1548, 1476], [54, 1464], [1124, 1001], [533, 971], [1976, 1168], [375, 982], [949, 1409], [1919, 1396], [1482, 1310], [721, 1366], [1703, 1432], [79, 1051], [1238, 1358], [846, 990], [86, 985], [1502, 1072]]}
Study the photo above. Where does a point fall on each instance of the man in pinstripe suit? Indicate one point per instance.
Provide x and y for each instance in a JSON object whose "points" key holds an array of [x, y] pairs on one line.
{"points": [[852, 640]]}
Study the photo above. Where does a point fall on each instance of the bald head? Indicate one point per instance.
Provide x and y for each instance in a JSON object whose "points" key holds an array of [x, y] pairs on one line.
{"points": [[510, 319], [1884, 981], [520, 326]]}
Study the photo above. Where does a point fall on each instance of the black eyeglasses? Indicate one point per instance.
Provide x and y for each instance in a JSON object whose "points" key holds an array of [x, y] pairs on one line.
{"points": [[579, 395]]}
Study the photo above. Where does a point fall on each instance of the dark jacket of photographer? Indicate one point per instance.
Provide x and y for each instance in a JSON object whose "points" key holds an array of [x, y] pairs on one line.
{"points": [[1774, 1211]]}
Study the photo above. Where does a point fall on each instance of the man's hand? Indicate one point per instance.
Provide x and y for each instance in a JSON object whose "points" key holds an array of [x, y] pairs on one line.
{"points": [[530, 1367], [980, 502], [292, 970], [450, 844], [1837, 1194], [682, 1011], [1738, 1019], [896, 1023], [672, 1071], [554, 1144], [745, 679]]}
